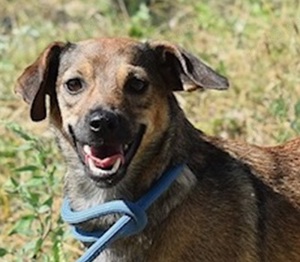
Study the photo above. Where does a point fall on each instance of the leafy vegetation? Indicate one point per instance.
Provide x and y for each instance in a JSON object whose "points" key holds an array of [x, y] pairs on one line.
{"points": [[255, 43]]}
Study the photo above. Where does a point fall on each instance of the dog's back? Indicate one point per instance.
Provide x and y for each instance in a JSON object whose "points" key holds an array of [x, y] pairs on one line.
{"points": [[277, 166]]}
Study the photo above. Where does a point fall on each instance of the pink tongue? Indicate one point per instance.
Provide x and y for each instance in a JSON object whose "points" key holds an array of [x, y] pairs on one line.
{"points": [[106, 156]]}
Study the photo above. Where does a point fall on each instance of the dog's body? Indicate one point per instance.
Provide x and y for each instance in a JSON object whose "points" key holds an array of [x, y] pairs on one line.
{"points": [[120, 127]]}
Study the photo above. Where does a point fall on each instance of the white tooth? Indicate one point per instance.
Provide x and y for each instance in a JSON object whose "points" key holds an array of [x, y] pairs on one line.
{"points": [[92, 166], [116, 166], [87, 149]]}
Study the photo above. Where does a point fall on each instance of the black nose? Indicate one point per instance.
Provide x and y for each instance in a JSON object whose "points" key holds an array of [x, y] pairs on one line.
{"points": [[103, 122]]}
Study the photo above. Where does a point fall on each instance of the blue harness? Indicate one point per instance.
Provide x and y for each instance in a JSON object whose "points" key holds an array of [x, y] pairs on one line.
{"points": [[132, 221]]}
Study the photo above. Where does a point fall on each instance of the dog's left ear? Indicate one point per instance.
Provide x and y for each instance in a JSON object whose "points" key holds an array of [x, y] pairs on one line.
{"points": [[39, 79], [185, 71]]}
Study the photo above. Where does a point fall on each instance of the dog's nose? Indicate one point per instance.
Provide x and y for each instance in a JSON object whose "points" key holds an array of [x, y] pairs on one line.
{"points": [[103, 122]]}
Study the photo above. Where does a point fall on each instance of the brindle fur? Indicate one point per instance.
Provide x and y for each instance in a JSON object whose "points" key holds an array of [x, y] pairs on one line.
{"points": [[232, 202]]}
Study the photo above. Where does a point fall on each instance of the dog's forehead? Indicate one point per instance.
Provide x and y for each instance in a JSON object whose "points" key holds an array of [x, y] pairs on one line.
{"points": [[103, 51]]}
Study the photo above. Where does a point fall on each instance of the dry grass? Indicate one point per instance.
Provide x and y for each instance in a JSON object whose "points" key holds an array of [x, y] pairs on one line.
{"points": [[255, 43]]}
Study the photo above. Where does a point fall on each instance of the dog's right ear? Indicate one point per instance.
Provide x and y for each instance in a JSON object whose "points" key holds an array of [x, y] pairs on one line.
{"points": [[184, 71], [39, 79]]}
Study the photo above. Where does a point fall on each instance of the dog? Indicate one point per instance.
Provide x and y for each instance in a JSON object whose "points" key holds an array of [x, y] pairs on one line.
{"points": [[120, 127]]}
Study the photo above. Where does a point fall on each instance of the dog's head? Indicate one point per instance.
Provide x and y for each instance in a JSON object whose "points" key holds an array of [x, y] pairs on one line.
{"points": [[109, 97]]}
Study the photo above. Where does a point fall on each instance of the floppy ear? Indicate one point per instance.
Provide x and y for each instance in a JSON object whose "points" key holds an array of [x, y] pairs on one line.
{"points": [[185, 71], [39, 79]]}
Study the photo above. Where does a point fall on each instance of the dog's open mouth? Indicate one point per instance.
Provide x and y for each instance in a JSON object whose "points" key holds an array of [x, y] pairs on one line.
{"points": [[109, 162], [104, 160]]}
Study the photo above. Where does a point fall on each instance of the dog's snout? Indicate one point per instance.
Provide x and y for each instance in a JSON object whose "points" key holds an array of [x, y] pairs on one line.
{"points": [[103, 122]]}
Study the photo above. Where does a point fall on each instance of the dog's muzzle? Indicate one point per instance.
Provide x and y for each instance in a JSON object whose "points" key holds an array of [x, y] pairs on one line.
{"points": [[106, 154]]}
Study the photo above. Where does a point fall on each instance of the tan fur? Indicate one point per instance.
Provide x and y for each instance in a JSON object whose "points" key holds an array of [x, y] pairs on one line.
{"points": [[277, 166], [232, 202]]}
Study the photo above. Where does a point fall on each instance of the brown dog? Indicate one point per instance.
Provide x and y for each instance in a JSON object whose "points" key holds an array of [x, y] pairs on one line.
{"points": [[119, 127]]}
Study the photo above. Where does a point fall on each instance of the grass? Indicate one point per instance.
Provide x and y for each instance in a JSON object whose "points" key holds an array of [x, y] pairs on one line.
{"points": [[255, 43]]}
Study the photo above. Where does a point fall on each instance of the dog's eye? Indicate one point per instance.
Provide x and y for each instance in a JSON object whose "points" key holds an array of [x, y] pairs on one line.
{"points": [[136, 86], [74, 86]]}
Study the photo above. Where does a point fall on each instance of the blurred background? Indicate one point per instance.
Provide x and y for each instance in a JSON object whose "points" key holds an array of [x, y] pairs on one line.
{"points": [[255, 43]]}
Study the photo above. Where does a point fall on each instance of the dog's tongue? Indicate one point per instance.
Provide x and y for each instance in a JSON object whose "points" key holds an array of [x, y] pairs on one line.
{"points": [[104, 156]]}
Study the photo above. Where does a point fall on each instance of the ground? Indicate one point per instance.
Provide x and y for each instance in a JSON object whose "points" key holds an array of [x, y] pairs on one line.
{"points": [[254, 43]]}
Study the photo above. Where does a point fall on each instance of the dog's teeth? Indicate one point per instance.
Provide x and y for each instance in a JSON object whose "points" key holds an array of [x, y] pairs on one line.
{"points": [[116, 165], [126, 147], [87, 149], [92, 166]]}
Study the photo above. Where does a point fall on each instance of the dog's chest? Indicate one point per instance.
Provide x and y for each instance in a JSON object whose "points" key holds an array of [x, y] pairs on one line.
{"points": [[127, 250]]}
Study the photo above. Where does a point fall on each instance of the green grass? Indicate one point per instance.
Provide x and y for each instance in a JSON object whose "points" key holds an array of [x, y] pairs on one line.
{"points": [[254, 43]]}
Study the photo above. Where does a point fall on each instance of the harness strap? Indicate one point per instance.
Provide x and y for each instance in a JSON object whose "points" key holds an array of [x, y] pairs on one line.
{"points": [[133, 220]]}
